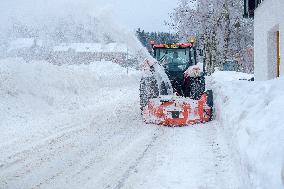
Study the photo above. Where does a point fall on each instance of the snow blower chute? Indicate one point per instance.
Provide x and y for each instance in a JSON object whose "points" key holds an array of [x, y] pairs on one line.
{"points": [[172, 88]]}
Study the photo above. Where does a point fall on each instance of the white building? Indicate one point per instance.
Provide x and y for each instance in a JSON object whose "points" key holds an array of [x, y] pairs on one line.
{"points": [[74, 53], [27, 48], [268, 37]]}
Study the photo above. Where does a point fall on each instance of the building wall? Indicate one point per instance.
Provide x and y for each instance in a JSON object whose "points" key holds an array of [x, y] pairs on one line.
{"points": [[269, 18]]}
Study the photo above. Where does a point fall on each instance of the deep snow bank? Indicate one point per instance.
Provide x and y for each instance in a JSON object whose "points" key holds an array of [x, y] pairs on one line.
{"points": [[251, 113], [38, 100]]}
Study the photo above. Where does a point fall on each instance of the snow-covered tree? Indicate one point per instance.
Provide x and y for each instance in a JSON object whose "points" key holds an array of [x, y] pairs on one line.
{"points": [[219, 29], [158, 37]]}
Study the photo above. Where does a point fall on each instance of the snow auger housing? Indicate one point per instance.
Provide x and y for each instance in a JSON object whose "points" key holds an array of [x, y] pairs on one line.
{"points": [[172, 88]]}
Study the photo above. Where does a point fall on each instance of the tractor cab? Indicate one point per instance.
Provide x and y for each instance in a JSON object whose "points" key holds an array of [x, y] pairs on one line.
{"points": [[176, 59]]}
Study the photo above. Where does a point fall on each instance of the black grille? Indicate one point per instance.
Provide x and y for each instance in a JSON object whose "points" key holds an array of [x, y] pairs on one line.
{"points": [[175, 114]]}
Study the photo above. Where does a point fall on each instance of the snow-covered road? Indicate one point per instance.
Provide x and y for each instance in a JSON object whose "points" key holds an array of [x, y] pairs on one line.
{"points": [[108, 146]]}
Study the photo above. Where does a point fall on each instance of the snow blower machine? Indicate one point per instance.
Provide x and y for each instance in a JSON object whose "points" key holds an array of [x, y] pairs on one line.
{"points": [[172, 88]]}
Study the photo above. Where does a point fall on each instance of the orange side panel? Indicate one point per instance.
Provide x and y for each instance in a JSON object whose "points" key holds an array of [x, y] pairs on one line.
{"points": [[190, 112]]}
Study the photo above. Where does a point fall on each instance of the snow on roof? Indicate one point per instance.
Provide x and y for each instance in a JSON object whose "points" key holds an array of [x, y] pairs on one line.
{"points": [[115, 47], [91, 47], [21, 43]]}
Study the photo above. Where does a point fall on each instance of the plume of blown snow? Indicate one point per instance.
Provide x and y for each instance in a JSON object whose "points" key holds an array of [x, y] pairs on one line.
{"points": [[57, 21]]}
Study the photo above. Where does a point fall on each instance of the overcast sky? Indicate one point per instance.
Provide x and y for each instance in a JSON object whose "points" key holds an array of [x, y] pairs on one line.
{"points": [[146, 14], [149, 15]]}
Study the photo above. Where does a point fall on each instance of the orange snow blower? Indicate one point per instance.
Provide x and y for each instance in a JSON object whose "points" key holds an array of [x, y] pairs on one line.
{"points": [[172, 88]]}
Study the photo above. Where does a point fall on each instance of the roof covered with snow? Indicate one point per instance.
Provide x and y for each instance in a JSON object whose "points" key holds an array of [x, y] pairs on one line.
{"points": [[21, 43], [91, 47]]}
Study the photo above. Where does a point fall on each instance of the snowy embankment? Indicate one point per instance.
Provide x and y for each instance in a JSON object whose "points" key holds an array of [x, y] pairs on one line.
{"points": [[251, 114], [38, 99], [40, 102]]}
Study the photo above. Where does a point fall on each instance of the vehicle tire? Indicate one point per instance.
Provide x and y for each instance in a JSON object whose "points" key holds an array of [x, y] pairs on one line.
{"points": [[164, 90], [210, 102], [143, 94], [148, 89], [210, 98], [197, 87]]}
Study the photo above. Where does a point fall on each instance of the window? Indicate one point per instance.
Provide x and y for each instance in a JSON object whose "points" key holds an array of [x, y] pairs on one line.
{"points": [[278, 53], [174, 59], [250, 6]]}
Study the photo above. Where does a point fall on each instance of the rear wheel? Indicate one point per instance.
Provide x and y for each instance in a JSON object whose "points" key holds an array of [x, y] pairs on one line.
{"points": [[196, 87], [148, 89], [143, 94], [210, 98], [210, 102], [164, 90]]}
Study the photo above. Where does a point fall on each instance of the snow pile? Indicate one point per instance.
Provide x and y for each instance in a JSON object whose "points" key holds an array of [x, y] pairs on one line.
{"points": [[194, 71], [39, 100], [251, 114], [231, 76]]}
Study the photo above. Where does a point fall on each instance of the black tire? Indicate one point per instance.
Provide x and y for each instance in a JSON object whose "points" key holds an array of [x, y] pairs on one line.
{"points": [[164, 90], [143, 96], [197, 87], [148, 89], [210, 102]]}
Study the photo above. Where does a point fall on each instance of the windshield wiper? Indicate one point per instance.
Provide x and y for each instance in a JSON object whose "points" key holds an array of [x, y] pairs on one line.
{"points": [[162, 58]]}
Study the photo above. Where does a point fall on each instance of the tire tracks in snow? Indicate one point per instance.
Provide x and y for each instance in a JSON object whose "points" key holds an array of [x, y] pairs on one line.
{"points": [[132, 168], [25, 154], [88, 157], [190, 157], [25, 162], [84, 158], [29, 160]]}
